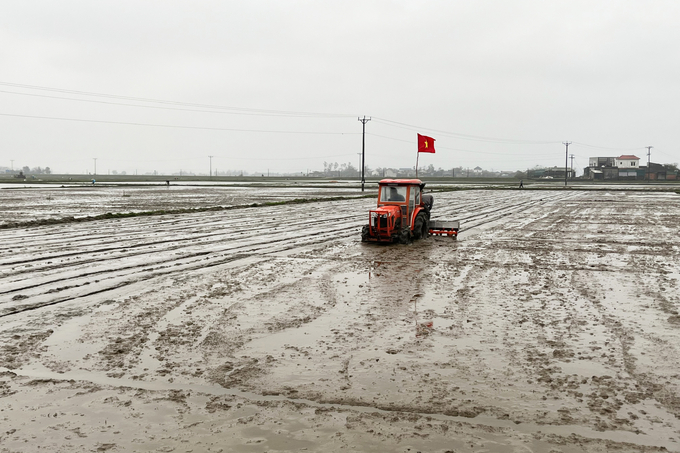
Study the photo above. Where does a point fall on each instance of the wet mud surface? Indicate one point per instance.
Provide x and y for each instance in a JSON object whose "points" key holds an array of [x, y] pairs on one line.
{"points": [[35, 203], [550, 325]]}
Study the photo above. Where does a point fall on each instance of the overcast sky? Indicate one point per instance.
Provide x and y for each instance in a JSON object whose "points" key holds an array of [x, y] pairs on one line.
{"points": [[279, 85]]}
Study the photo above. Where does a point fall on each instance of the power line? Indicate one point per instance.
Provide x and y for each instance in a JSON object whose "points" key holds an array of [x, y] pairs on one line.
{"points": [[665, 154], [253, 112], [174, 126], [462, 136], [605, 147], [461, 149], [487, 139], [157, 107], [209, 108], [214, 157], [166, 102]]}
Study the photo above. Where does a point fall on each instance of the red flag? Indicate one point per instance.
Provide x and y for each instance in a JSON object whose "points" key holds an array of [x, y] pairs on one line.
{"points": [[425, 144]]}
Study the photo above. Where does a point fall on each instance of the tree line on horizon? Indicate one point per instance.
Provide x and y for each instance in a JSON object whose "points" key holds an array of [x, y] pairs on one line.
{"points": [[337, 170]]}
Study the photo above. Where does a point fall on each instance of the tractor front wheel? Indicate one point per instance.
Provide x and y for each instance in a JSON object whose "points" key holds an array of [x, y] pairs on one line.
{"points": [[404, 236], [420, 229], [365, 232]]}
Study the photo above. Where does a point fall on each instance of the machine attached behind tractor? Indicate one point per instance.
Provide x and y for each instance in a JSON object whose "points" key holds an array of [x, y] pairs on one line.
{"points": [[403, 214]]}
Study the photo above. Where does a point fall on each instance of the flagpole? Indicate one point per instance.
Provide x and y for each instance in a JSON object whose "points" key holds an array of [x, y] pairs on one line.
{"points": [[417, 157]]}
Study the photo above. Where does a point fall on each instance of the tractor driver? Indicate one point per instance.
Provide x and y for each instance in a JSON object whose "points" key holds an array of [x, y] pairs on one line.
{"points": [[395, 195]]}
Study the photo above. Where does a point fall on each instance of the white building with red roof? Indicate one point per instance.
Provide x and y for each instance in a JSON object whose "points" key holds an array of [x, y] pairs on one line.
{"points": [[628, 161]]}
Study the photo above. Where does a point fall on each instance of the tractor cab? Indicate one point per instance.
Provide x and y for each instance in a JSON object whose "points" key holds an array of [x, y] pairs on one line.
{"points": [[402, 214]]}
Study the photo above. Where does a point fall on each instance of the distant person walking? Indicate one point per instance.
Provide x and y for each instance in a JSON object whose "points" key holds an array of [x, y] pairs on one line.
{"points": [[521, 184], [93, 181]]}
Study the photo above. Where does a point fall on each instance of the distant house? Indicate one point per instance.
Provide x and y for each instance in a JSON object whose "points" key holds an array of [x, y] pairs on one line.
{"points": [[627, 161], [600, 162], [657, 172], [625, 167]]}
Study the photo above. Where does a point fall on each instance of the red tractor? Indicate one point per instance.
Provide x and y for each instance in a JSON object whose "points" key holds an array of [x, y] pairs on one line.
{"points": [[403, 214]]}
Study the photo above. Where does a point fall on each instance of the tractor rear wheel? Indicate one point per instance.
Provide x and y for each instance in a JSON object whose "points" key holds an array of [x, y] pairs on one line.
{"points": [[420, 229]]}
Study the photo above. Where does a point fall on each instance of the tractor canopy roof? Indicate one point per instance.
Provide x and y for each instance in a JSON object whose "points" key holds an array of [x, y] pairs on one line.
{"points": [[402, 182]]}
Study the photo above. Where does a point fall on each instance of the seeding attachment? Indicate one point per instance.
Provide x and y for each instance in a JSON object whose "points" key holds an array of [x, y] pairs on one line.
{"points": [[444, 228]]}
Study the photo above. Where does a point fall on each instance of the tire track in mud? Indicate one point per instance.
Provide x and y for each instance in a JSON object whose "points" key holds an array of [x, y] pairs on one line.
{"points": [[183, 230], [235, 226], [631, 337], [161, 269], [574, 350], [476, 215], [173, 244], [116, 253], [565, 435], [196, 249], [143, 272]]}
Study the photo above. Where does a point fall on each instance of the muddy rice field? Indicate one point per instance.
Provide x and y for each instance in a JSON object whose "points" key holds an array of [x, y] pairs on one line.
{"points": [[38, 202], [551, 325]]}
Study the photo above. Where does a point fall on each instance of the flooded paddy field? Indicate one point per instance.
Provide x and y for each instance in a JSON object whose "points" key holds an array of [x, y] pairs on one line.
{"points": [[551, 325], [35, 202]]}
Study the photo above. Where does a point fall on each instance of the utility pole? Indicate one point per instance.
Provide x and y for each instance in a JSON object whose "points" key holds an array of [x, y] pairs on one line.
{"points": [[210, 165], [566, 162], [363, 149], [649, 157], [571, 157], [95, 165], [12, 160]]}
